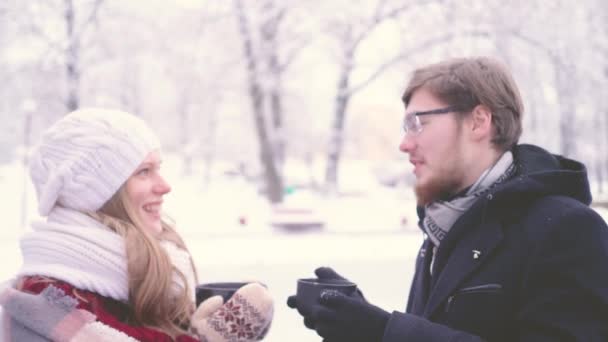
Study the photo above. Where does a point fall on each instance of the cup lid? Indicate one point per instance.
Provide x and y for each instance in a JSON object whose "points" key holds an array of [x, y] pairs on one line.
{"points": [[222, 285], [319, 282]]}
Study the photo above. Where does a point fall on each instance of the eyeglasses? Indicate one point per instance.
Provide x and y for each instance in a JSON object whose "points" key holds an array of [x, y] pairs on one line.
{"points": [[411, 121]]}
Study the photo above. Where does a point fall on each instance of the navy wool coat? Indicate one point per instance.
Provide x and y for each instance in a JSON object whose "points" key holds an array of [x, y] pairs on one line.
{"points": [[527, 262]]}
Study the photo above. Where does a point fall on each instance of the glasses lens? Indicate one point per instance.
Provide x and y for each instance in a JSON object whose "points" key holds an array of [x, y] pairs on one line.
{"points": [[410, 123]]}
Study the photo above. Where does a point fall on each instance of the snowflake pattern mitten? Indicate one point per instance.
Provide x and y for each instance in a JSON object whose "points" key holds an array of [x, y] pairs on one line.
{"points": [[245, 317]]}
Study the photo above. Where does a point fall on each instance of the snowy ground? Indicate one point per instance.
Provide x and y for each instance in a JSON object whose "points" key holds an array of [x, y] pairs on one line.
{"points": [[381, 264]]}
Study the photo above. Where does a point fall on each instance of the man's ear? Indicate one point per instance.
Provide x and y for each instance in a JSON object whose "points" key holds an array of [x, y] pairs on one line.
{"points": [[481, 122]]}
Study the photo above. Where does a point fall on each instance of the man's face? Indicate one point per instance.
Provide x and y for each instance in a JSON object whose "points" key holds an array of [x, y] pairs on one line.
{"points": [[436, 152]]}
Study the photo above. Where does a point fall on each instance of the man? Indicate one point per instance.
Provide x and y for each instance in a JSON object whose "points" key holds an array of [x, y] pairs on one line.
{"points": [[512, 252]]}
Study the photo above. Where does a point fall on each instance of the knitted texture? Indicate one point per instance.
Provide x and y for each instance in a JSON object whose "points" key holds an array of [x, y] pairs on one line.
{"points": [[245, 317], [51, 316], [85, 157], [75, 248], [97, 331]]}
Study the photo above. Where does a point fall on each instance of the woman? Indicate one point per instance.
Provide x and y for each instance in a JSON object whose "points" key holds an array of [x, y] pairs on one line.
{"points": [[105, 265]]}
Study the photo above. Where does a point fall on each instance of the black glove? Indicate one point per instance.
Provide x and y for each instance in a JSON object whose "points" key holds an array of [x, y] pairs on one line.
{"points": [[324, 273], [343, 318], [328, 273], [292, 302]]}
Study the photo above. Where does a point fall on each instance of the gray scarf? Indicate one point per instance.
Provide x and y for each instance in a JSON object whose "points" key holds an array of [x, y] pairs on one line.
{"points": [[440, 216]]}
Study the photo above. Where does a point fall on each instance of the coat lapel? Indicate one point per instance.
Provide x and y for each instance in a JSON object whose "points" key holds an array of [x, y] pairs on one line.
{"points": [[420, 284], [469, 254]]}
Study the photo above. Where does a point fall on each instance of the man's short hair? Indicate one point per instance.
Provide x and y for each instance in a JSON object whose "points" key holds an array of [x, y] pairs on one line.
{"points": [[468, 82]]}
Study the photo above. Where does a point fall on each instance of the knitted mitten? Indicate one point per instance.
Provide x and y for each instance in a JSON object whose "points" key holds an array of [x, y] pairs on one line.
{"points": [[244, 317]]}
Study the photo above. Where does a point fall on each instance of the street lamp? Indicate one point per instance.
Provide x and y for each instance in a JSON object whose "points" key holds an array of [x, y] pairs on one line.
{"points": [[28, 108]]}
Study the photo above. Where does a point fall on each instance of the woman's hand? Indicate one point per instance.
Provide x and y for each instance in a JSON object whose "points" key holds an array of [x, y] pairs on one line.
{"points": [[245, 317]]}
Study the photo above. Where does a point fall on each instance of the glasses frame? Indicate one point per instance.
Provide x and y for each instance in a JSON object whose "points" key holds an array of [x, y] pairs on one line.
{"points": [[411, 121]]}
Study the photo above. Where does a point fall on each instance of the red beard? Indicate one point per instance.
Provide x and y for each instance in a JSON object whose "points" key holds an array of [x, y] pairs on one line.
{"points": [[441, 186]]}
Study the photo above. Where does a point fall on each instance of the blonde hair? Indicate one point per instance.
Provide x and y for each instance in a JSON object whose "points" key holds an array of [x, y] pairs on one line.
{"points": [[150, 271]]}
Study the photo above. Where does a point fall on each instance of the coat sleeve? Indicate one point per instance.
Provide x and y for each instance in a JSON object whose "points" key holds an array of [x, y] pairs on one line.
{"points": [[106, 321], [564, 288], [565, 292], [408, 327]]}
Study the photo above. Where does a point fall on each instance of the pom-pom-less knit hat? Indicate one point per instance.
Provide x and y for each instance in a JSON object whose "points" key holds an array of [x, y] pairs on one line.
{"points": [[85, 157]]}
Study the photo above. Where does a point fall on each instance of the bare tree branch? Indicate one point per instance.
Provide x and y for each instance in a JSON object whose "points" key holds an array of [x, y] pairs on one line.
{"points": [[90, 19], [345, 33], [536, 43], [291, 55], [411, 52]]}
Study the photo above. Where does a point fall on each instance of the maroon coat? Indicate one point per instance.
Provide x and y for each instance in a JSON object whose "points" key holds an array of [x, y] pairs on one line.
{"points": [[108, 311]]}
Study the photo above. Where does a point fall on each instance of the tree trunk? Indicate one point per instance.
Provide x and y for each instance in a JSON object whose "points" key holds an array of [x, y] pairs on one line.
{"points": [[604, 128], [598, 123], [276, 107], [337, 132], [129, 93], [599, 176], [273, 181], [274, 184], [601, 125], [185, 136], [209, 147], [27, 132], [269, 30], [564, 81], [71, 59]]}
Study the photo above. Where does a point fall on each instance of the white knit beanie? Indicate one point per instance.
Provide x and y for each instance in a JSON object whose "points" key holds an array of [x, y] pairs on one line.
{"points": [[84, 158]]}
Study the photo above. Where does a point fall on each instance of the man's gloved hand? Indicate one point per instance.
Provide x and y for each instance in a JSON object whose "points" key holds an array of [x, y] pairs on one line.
{"points": [[343, 318], [322, 273], [245, 317], [292, 302], [328, 273]]}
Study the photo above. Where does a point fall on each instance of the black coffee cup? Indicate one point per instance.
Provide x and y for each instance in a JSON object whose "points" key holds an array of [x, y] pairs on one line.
{"points": [[309, 291], [226, 290]]}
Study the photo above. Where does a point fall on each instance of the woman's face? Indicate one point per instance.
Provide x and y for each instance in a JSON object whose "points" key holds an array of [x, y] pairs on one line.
{"points": [[144, 192]]}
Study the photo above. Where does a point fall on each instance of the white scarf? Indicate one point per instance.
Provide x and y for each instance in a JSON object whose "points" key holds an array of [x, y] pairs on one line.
{"points": [[440, 216], [75, 248]]}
